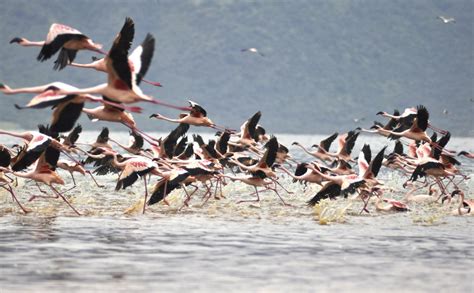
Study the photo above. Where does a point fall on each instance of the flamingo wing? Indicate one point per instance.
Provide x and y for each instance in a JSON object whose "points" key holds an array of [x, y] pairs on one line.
{"points": [[118, 67], [223, 142], [326, 143], [134, 169], [269, 157], [329, 190], [141, 57], [163, 185], [73, 136], [35, 149], [5, 157], [65, 116]]}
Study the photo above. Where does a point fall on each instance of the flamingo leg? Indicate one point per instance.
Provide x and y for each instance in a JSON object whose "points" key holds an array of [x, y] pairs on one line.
{"points": [[64, 199], [152, 82], [276, 182], [39, 188], [146, 193], [73, 180], [188, 198], [10, 189], [95, 181], [279, 196], [251, 200]]}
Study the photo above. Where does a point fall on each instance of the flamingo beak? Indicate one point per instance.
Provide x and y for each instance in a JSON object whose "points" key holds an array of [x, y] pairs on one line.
{"points": [[153, 116], [380, 113], [16, 40]]}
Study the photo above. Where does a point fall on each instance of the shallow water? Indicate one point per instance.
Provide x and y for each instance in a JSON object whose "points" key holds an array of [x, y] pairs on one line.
{"points": [[221, 245]]}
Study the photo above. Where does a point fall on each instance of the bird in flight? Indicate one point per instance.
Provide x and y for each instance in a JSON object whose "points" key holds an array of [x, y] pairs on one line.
{"points": [[253, 50], [446, 19]]}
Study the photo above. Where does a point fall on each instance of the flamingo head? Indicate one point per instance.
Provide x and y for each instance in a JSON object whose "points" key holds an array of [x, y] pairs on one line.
{"points": [[157, 116]]}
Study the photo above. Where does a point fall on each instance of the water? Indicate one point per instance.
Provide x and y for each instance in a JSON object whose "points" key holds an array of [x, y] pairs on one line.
{"points": [[234, 247]]}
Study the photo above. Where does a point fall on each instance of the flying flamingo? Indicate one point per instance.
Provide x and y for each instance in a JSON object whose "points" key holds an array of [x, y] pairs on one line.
{"points": [[49, 96], [132, 169], [336, 186], [140, 60], [64, 38], [72, 167], [122, 83], [197, 116], [135, 146], [322, 148], [45, 173]]}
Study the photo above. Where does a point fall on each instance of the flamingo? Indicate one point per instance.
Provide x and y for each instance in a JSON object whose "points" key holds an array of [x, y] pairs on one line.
{"points": [[140, 61], [135, 146], [322, 148], [45, 173], [164, 187], [197, 116], [346, 143], [417, 131], [61, 37], [132, 169], [36, 144], [377, 125], [72, 167], [465, 205], [248, 133], [122, 84], [432, 196], [305, 174], [67, 108], [336, 186]]}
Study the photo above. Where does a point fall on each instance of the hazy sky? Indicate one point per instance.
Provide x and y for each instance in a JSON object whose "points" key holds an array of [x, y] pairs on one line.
{"points": [[325, 63]]}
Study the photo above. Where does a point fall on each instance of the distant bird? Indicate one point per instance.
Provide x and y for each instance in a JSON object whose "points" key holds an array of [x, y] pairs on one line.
{"points": [[64, 38], [445, 112], [446, 19], [357, 120], [253, 50]]}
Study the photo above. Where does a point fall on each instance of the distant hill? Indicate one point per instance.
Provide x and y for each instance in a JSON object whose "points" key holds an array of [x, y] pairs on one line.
{"points": [[326, 62]]}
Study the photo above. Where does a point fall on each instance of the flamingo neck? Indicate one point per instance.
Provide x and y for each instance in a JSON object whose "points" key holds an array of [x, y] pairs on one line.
{"points": [[24, 135]]}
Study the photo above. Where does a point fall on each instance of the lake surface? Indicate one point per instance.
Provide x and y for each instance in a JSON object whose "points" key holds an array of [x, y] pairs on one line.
{"points": [[222, 245]]}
